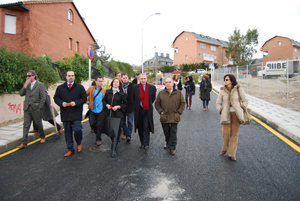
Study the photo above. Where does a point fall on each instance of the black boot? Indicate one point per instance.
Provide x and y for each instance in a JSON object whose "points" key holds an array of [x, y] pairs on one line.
{"points": [[114, 147]]}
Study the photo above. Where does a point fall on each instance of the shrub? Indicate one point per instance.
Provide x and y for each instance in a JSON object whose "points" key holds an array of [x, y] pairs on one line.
{"points": [[13, 68]]}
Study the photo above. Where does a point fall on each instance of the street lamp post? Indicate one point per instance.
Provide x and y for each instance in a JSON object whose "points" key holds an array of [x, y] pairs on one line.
{"points": [[143, 38]]}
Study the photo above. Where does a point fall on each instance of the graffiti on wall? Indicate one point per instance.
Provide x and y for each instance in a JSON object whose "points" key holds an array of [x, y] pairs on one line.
{"points": [[15, 108]]}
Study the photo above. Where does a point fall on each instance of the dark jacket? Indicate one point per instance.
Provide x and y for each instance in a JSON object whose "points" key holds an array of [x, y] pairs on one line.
{"points": [[137, 100], [118, 98], [129, 98], [172, 106], [205, 89], [179, 86], [64, 94], [190, 87], [46, 110], [34, 97]]}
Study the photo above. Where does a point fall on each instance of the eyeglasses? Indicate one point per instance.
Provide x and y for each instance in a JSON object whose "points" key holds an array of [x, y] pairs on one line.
{"points": [[28, 75], [227, 79]]}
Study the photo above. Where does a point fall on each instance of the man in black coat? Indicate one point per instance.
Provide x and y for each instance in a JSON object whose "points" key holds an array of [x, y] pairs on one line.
{"points": [[71, 96], [128, 116], [144, 96]]}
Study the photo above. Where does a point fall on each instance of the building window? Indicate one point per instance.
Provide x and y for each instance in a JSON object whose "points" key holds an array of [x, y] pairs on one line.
{"points": [[186, 57], [186, 38], [279, 43], [70, 43], [70, 15], [295, 49], [77, 46], [10, 24], [200, 54], [213, 48], [202, 45]]}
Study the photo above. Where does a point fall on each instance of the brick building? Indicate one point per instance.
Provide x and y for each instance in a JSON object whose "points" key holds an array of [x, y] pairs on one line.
{"points": [[159, 61], [51, 27], [280, 48], [190, 47]]}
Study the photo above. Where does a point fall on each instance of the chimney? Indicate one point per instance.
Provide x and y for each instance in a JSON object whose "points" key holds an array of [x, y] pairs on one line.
{"points": [[156, 54], [162, 54], [167, 55]]}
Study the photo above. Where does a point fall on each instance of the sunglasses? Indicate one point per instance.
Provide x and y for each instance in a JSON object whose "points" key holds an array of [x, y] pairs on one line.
{"points": [[28, 75], [227, 79]]}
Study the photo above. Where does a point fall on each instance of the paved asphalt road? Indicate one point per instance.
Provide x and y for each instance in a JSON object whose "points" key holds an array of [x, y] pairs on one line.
{"points": [[266, 168]]}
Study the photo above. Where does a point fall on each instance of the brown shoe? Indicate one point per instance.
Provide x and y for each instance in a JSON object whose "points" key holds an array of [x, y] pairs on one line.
{"points": [[33, 131], [98, 142], [43, 140], [69, 153], [124, 137], [22, 146], [232, 158], [60, 131], [166, 147], [172, 152], [79, 148], [223, 153]]}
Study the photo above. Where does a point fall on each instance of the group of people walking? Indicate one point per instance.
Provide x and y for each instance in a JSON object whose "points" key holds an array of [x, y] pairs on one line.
{"points": [[130, 106]]}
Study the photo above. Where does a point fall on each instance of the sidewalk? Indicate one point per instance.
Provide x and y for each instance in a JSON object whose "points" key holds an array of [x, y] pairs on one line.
{"points": [[11, 135], [284, 120]]}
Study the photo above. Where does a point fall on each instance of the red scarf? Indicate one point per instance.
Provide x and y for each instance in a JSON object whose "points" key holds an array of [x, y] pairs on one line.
{"points": [[144, 97]]}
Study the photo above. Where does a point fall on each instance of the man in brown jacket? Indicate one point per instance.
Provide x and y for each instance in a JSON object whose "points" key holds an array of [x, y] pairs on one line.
{"points": [[170, 105]]}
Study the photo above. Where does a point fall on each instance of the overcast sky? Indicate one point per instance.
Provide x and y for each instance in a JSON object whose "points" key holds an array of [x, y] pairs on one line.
{"points": [[117, 24]]}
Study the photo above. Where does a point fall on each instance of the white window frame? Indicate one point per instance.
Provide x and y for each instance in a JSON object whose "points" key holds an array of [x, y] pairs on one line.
{"points": [[213, 48], [77, 46], [295, 49], [186, 57], [202, 45], [279, 43], [10, 24], [70, 15], [200, 54]]}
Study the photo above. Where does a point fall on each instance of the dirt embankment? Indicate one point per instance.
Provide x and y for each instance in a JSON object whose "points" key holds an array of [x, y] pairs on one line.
{"points": [[274, 90]]}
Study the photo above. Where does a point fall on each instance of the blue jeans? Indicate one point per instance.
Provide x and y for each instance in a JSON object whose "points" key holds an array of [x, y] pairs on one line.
{"points": [[205, 103], [69, 127], [127, 126]]}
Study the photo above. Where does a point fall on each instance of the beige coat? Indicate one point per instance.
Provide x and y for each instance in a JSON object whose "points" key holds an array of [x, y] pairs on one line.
{"points": [[223, 103]]}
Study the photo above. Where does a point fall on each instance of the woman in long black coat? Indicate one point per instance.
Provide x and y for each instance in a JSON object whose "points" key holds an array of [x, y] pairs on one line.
{"points": [[205, 89], [189, 91], [115, 106]]}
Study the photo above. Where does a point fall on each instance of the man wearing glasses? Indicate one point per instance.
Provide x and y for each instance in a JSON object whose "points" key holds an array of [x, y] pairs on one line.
{"points": [[35, 96], [70, 97]]}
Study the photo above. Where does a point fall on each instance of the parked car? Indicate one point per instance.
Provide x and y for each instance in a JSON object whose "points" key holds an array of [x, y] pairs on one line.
{"points": [[200, 71]]}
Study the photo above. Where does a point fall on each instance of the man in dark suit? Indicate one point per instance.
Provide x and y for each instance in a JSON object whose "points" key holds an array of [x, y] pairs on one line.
{"points": [[71, 96], [128, 116], [35, 96], [144, 96]]}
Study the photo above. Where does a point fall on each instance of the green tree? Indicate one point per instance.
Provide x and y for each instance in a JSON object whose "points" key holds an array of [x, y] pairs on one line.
{"points": [[167, 69], [241, 47], [100, 68]]}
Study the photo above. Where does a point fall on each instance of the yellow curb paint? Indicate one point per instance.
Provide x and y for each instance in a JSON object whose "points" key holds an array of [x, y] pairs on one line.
{"points": [[284, 139], [35, 141]]}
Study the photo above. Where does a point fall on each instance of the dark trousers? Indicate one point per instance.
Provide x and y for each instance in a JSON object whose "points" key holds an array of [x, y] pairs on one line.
{"points": [[143, 128], [128, 123], [170, 131], [96, 122], [69, 127], [205, 103], [29, 116]]}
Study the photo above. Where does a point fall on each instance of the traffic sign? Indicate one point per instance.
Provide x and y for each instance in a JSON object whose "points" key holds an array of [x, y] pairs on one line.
{"points": [[90, 53]]}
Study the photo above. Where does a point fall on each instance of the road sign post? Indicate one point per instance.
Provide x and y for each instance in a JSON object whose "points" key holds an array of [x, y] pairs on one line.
{"points": [[90, 54]]}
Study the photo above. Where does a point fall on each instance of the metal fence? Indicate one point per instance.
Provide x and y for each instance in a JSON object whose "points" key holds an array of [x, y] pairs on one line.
{"points": [[283, 90]]}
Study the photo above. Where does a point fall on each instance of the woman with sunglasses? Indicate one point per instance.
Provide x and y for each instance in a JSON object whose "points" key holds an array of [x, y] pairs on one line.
{"points": [[229, 102]]}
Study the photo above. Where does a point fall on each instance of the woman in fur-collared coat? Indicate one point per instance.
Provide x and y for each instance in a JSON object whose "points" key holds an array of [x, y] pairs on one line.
{"points": [[229, 102]]}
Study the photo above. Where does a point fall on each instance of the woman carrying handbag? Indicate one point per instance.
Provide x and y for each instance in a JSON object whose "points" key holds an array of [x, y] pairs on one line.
{"points": [[229, 104], [115, 106]]}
